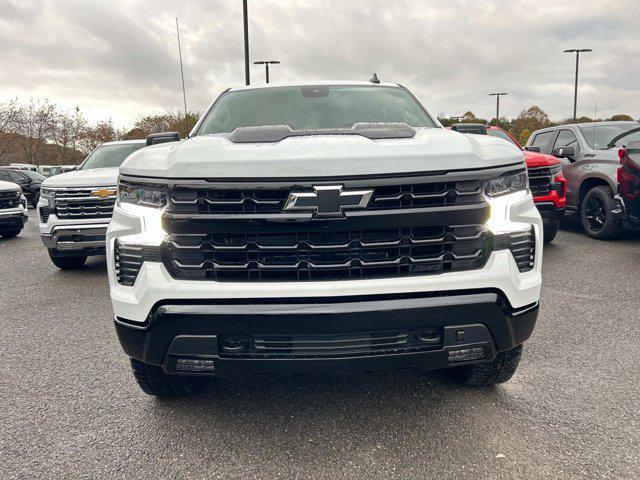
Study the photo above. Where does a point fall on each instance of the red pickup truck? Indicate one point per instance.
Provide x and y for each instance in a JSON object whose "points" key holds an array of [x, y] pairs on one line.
{"points": [[628, 197], [546, 181]]}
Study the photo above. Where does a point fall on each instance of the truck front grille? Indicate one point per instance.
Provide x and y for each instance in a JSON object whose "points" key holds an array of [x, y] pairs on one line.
{"points": [[9, 200], [268, 200], [330, 255], [81, 204], [540, 181]]}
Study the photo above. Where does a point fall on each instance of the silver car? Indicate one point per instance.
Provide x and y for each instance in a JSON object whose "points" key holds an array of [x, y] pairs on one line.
{"points": [[589, 156]]}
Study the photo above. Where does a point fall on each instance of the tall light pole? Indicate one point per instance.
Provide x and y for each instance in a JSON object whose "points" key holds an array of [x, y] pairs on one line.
{"points": [[184, 92], [266, 66], [245, 20], [497, 95], [577, 51]]}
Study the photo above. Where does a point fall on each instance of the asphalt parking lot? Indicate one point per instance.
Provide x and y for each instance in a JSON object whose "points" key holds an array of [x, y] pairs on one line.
{"points": [[69, 407]]}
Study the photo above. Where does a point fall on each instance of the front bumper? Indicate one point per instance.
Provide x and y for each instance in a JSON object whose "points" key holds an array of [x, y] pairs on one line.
{"points": [[71, 236], [85, 239], [622, 213], [14, 218], [549, 212], [329, 336]]}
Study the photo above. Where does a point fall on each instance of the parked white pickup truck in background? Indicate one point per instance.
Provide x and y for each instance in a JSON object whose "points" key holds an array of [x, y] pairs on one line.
{"points": [[13, 210], [75, 207]]}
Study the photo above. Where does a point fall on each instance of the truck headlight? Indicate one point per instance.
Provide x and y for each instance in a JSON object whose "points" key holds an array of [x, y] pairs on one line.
{"points": [[513, 182], [144, 195], [47, 192]]}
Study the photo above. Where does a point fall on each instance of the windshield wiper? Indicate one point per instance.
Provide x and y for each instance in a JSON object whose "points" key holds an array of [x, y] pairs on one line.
{"points": [[276, 133], [615, 139]]}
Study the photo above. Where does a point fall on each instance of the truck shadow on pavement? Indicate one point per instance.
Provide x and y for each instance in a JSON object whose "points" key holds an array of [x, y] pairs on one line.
{"points": [[304, 414]]}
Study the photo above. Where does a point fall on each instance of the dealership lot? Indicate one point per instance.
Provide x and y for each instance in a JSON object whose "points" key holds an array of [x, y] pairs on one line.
{"points": [[71, 409]]}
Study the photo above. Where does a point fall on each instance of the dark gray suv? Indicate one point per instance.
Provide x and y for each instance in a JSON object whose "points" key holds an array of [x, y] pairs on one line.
{"points": [[589, 156]]}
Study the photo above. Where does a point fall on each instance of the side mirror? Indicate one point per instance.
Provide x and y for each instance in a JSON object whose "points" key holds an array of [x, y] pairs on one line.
{"points": [[533, 149], [567, 152], [164, 137]]}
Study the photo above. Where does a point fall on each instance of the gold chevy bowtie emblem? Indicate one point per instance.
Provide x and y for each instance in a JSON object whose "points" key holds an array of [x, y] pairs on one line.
{"points": [[103, 193]]}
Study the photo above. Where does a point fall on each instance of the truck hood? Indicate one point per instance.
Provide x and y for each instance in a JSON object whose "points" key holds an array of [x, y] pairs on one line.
{"points": [[97, 177], [535, 159], [215, 156], [8, 186]]}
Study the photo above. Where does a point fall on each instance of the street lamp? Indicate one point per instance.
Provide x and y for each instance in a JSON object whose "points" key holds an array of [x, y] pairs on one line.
{"points": [[575, 93], [497, 95], [245, 25], [266, 66]]}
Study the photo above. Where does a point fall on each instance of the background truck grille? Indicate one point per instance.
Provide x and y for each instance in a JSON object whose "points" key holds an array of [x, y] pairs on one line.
{"points": [[81, 204], [9, 200], [271, 200], [540, 181], [326, 255]]}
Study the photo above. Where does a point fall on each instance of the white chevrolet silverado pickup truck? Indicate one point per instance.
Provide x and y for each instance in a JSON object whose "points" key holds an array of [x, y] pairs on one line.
{"points": [[75, 208], [323, 227], [13, 210]]}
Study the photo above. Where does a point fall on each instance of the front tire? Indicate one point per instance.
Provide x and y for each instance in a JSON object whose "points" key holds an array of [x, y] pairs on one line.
{"points": [[10, 233], [153, 381], [550, 231], [596, 214], [66, 263], [488, 374]]}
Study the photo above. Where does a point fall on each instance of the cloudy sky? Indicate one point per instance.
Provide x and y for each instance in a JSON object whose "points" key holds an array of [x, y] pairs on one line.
{"points": [[119, 59]]}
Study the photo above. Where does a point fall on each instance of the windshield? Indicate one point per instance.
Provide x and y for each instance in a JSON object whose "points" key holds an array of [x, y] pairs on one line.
{"points": [[598, 137], [33, 175], [110, 156], [501, 134], [314, 107]]}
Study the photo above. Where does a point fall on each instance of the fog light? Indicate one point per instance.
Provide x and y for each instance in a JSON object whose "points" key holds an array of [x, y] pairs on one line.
{"points": [[466, 354], [194, 365]]}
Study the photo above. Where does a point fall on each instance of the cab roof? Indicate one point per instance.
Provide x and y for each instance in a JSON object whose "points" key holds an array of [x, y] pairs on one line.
{"points": [[333, 83]]}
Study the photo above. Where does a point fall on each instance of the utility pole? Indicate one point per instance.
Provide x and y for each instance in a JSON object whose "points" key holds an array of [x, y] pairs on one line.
{"points": [[266, 66], [575, 91], [245, 18], [184, 93], [497, 95]]}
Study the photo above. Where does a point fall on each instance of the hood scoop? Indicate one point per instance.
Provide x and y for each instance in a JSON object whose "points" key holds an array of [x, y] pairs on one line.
{"points": [[276, 133]]}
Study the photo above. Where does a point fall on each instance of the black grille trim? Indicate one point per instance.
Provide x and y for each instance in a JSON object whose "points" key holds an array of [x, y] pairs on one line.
{"points": [[522, 245], [540, 181], [9, 199], [333, 255], [227, 201], [128, 260]]}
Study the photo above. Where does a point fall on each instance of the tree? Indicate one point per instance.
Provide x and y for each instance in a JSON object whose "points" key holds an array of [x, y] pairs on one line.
{"points": [[620, 117], [67, 131], [8, 124], [101, 132], [34, 123], [502, 122], [524, 136], [533, 118], [170, 121]]}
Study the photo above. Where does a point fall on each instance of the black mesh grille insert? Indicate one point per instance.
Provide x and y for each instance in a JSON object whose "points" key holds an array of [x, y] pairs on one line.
{"points": [[331, 345]]}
